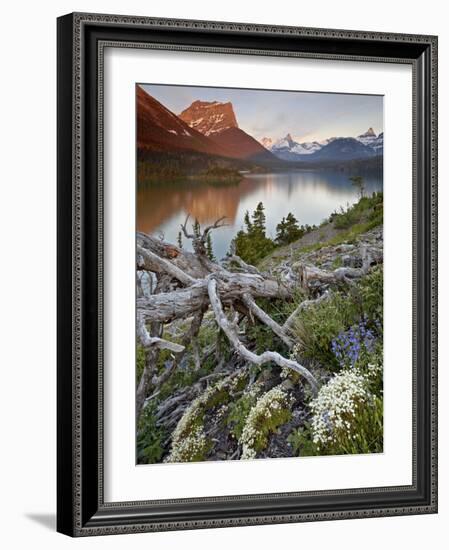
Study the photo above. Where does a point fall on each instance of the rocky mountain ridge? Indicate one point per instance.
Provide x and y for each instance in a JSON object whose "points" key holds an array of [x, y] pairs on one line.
{"points": [[208, 128], [209, 117], [333, 148], [217, 121]]}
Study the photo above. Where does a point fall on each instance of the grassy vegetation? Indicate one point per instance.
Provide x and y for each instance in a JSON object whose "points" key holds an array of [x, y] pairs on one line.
{"points": [[341, 337], [316, 327], [150, 437], [344, 334]]}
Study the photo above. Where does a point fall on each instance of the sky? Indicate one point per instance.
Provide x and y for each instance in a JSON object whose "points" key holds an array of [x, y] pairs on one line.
{"points": [[307, 116]]}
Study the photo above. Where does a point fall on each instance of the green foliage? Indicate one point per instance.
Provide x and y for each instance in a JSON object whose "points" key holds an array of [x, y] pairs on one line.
{"points": [[140, 362], [316, 327], [209, 248], [288, 230], [301, 441], [338, 262], [346, 218], [347, 415], [251, 243], [239, 411], [261, 336], [371, 290], [196, 228], [365, 435], [357, 386], [367, 209], [376, 216], [189, 443], [183, 378], [189, 374], [359, 183], [272, 410], [150, 437]]}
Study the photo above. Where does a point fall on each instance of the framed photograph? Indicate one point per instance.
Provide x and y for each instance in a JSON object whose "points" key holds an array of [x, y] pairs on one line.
{"points": [[247, 274]]}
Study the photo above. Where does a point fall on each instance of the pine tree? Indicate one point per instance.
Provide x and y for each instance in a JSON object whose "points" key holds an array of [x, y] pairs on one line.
{"points": [[281, 232], [247, 221], [180, 239], [253, 244], [209, 249], [259, 219], [359, 183], [197, 229], [288, 230], [292, 228]]}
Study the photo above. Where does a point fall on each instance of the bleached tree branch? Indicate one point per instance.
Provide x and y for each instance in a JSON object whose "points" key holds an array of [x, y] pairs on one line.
{"points": [[148, 341], [153, 262], [266, 319], [245, 353]]}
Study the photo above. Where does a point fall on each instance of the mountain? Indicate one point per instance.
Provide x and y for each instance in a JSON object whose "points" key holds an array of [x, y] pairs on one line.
{"points": [[158, 129], [266, 142], [289, 149], [367, 137], [370, 139], [209, 117], [242, 145], [341, 149], [218, 122], [211, 128], [345, 148]]}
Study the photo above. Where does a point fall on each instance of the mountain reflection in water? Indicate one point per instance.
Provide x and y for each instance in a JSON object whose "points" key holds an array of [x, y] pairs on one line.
{"points": [[310, 195]]}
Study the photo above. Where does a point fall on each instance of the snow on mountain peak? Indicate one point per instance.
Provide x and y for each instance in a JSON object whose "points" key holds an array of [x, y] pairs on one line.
{"points": [[370, 139], [369, 133], [289, 149]]}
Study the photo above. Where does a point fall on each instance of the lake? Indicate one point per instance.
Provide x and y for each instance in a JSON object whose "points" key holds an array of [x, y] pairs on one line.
{"points": [[310, 195]]}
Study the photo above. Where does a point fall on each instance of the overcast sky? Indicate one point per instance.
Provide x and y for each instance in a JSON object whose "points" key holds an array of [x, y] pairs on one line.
{"points": [[307, 116]]}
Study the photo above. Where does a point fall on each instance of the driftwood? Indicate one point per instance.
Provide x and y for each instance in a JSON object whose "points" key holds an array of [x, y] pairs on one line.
{"points": [[190, 283]]}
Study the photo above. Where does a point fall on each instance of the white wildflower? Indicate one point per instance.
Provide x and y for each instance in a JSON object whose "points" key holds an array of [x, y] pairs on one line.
{"points": [[271, 402], [189, 439], [336, 405]]}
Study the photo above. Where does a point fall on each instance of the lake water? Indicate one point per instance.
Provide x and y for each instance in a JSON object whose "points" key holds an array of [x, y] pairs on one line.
{"points": [[310, 195]]}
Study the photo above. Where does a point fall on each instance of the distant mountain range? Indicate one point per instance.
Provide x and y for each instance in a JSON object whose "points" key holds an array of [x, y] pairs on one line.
{"points": [[211, 128], [366, 145]]}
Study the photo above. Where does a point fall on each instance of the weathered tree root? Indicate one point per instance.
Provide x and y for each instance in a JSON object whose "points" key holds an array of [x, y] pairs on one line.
{"points": [[189, 283]]}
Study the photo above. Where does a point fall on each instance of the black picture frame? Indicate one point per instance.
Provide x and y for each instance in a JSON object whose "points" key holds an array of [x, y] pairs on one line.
{"points": [[81, 510]]}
